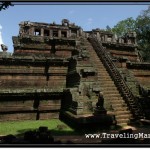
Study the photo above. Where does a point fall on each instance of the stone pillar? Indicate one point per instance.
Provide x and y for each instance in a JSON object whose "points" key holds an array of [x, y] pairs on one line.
{"points": [[98, 35], [67, 34], [51, 33], [80, 32], [105, 38], [42, 32], [119, 40], [59, 33], [128, 41], [32, 31], [77, 33], [102, 38], [113, 38]]}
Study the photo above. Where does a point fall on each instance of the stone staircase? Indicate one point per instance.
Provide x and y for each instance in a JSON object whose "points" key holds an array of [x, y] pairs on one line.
{"points": [[112, 96]]}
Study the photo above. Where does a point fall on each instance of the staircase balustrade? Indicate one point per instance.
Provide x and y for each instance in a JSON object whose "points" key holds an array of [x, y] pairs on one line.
{"points": [[132, 102]]}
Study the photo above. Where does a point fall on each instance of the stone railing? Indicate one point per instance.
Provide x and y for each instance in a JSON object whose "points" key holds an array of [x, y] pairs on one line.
{"points": [[129, 98]]}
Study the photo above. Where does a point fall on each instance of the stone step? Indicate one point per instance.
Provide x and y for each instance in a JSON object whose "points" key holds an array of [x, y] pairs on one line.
{"points": [[96, 59], [105, 79], [120, 108], [111, 92], [115, 103], [102, 71], [102, 77], [100, 68], [108, 88], [122, 112], [119, 104], [114, 99], [107, 82], [104, 84], [111, 89], [101, 74], [122, 124], [126, 120], [123, 116]]}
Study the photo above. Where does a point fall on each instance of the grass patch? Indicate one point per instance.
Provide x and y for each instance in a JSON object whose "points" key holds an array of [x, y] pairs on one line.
{"points": [[19, 127]]}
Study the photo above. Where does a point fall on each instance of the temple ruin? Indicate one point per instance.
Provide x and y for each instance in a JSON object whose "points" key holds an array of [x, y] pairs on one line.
{"points": [[58, 71]]}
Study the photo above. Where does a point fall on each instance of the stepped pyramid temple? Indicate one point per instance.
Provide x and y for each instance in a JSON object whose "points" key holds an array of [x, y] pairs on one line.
{"points": [[61, 71]]}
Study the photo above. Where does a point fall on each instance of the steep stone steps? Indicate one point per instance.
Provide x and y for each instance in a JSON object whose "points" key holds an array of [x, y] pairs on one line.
{"points": [[109, 89], [111, 92], [123, 116], [104, 78], [122, 112], [115, 103], [123, 104], [120, 108], [108, 78], [106, 84], [114, 100], [122, 121]]}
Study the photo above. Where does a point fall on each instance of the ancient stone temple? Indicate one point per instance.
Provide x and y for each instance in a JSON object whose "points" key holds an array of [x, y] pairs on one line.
{"points": [[59, 70]]}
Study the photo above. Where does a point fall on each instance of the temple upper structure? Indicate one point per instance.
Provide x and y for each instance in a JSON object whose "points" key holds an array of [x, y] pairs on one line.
{"points": [[64, 30]]}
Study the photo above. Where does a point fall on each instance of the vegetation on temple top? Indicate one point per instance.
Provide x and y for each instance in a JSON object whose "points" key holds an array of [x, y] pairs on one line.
{"points": [[141, 25]]}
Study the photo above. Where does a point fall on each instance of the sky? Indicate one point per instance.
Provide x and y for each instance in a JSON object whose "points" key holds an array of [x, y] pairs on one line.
{"points": [[88, 17]]}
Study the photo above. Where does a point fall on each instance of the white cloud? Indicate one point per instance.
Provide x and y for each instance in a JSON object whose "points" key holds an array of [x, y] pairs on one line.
{"points": [[1, 27]]}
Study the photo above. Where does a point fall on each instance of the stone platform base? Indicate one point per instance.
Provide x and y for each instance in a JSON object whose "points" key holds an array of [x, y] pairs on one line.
{"points": [[87, 119]]}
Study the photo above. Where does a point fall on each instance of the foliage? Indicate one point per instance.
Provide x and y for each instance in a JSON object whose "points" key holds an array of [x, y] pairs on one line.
{"points": [[143, 33], [124, 26], [108, 28], [5, 5], [141, 25]]}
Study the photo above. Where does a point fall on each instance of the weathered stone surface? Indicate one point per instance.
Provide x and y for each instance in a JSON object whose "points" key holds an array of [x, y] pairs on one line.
{"points": [[54, 68]]}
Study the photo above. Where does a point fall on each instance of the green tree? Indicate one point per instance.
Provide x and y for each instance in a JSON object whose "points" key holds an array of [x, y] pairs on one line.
{"points": [[143, 33], [124, 26], [141, 25], [108, 28], [4, 5]]}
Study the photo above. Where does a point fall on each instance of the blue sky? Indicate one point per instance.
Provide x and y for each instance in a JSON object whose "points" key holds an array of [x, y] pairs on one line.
{"points": [[86, 16]]}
